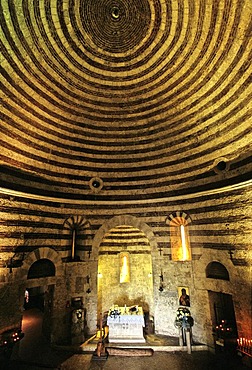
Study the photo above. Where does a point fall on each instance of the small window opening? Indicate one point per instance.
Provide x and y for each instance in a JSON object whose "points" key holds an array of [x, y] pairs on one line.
{"points": [[124, 268], [222, 165], [217, 270], [96, 184], [180, 241], [115, 12]]}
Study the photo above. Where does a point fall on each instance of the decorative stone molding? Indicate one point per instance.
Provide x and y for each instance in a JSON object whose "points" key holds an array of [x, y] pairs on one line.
{"points": [[123, 220], [38, 254], [178, 215]]}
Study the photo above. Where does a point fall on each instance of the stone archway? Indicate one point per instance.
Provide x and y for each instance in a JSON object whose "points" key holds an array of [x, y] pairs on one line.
{"points": [[39, 272], [125, 237], [124, 220], [38, 279], [38, 254]]}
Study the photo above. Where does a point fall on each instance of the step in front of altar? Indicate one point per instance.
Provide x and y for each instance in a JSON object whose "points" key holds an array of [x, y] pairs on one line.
{"points": [[126, 333]]}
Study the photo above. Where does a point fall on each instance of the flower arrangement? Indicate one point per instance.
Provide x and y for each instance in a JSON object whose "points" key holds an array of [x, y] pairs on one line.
{"points": [[183, 318], [114, 311]]}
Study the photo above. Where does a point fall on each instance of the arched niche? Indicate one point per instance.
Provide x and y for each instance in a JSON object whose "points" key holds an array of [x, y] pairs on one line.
{"points": [[123, 220], [38, 254], [216, 270], [124, 243], [75, 235], [41, 268], [178, 223]]}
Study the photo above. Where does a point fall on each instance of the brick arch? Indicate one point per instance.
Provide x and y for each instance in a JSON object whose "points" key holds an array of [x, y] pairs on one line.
{"points": [[76, 220], [39, 253], [79, 222], [217, 270], [179, 217], [119, 221]]}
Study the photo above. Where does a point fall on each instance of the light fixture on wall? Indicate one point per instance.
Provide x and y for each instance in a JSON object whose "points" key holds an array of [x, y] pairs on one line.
{"points": [[161, 284], [231, 254], [15, 261], [89, 251], [88, 291]]}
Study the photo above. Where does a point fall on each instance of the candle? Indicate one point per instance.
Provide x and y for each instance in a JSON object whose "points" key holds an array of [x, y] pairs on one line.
{"points": [[244, 344]]}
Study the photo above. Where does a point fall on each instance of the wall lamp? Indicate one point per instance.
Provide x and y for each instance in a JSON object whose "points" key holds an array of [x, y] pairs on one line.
{"points": [[14, 263], [161, 284]]}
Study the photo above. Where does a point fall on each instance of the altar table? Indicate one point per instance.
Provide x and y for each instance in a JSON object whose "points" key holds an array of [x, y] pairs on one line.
{"points": [[126, 327]]}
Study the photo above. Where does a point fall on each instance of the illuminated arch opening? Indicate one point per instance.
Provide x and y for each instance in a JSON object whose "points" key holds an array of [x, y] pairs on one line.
{"points": [[180, 239], [124, 267]]}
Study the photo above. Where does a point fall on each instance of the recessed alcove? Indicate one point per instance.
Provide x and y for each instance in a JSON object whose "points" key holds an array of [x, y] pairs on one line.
{"points": [[41, 268], [216, 270], [122, 250]]}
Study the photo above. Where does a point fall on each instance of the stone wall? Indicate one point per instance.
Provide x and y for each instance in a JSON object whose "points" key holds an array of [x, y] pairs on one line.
{"points": [[220, 231], [117, 118]]}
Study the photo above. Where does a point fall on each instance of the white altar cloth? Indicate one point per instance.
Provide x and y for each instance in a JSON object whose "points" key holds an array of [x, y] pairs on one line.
{"points": [[126, 327]]}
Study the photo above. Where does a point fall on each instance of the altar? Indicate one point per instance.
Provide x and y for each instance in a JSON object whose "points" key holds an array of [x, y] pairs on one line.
{"points": [[125, 325]]}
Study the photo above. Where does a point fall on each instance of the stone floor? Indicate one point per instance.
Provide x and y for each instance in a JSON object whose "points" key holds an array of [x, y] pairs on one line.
{"points": [[200, 360], [34, 353]]}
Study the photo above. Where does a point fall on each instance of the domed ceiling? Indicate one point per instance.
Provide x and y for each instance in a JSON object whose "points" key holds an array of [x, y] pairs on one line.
{"points": [[112, 99]]}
